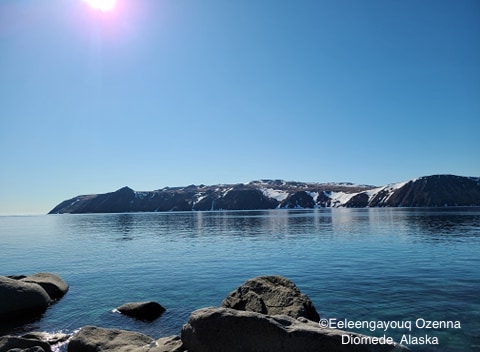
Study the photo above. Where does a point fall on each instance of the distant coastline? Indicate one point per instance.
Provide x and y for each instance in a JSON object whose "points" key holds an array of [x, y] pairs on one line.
{"points": [[426, 191]]}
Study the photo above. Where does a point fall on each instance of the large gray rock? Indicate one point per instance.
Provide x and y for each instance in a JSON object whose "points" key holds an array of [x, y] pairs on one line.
{"points": [[147, 311], [95, 339], [271, 295], [53, 284], [21, 299], [223, 329], [8, 343]]}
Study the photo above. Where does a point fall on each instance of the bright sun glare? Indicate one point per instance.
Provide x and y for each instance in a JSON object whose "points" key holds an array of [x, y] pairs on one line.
{"points": [[102, 5]]}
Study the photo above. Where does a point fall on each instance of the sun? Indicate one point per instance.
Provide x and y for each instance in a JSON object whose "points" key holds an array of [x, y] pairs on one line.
{"points": [[102, 5]]}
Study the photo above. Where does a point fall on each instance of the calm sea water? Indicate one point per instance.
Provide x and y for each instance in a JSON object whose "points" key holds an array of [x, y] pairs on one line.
{"points": [[356, 264]]}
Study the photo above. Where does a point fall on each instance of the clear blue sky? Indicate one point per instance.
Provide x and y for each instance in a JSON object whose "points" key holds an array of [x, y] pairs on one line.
{"points": [[172, 92]]}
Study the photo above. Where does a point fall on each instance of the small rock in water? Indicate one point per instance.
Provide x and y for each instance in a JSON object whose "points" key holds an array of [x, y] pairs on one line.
{"points": [[147, 311]]}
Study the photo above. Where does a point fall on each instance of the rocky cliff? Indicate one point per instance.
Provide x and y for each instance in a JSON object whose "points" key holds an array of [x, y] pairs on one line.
{"points": [[427, 191]]}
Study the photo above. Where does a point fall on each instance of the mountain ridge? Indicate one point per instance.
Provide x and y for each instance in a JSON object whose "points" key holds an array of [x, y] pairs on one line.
{"points": [[425, 191]]}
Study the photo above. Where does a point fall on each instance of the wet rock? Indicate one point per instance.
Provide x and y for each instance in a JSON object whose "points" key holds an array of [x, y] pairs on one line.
{"points": [[271, 295], [52, 339], [223, 329], [8, 343], [147, 311], [95, 339], [21, 299], [53, 284]]}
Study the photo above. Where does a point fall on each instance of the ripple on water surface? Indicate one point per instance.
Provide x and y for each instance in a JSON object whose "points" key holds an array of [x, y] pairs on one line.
{"points": [[356, 264]]}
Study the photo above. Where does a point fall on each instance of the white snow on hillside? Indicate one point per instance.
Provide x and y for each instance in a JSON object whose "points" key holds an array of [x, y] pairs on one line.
{"points": [[339, 199], [225, 192], [199, 197], [372, 192], [314, 195], [277, 194], [345, 184], [390, 188], [140, 195], [394, 186]]}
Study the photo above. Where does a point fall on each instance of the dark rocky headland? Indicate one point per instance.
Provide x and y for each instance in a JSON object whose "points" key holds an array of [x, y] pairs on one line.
{"points": [[427, 191], [267, 314]]}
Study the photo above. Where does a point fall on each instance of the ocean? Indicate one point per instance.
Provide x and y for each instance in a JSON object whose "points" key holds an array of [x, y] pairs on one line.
{"points": [[401, 266]]}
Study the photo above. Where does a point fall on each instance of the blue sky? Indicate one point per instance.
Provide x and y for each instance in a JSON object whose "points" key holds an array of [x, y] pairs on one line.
{"points": [[168, 93]]}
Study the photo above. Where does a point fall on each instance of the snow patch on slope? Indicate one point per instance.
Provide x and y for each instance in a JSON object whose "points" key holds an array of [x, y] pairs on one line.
{"points": [[395, 186], [386, 191], [314, 195], [276, 194], [199, 197], [141, 195], [226, 191], [339, 199]]}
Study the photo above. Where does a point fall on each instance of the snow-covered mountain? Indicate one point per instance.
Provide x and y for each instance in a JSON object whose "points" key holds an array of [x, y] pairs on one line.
{"points": [[436, 190]]}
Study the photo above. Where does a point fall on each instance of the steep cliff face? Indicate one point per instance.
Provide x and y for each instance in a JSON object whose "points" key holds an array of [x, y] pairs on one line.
{"points": [[440, 190], [300, 199], [428, 191], [113, 202]]}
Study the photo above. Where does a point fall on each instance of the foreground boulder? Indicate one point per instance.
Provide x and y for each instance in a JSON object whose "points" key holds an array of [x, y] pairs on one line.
{"points": [[223, 329], [14, 343], [147, 311], [272, 295], [95, 339], [21, 299], [53, 284]]}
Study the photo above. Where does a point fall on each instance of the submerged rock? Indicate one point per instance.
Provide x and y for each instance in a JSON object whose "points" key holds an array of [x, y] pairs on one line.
{"points": [[147, 311], [271, 295], [95, 339], [53, 284], [21, 299], [224, 329]]}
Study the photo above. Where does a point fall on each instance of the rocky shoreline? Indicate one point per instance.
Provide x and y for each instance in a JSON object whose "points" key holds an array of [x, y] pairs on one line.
{"points": [[267, 313]]}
